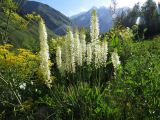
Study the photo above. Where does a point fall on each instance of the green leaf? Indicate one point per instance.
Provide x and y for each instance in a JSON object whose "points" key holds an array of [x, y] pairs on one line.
{"points": [[129, 82], [114, 42], [119, 91]]}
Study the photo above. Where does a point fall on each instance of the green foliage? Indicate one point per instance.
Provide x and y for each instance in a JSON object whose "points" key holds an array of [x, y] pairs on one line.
{"points": [[130, 19], [27, 37], [79, 102], [130, 92], [136, 92], [149, 19], [8, 5], [17, 69], [122, 39], [150, 14], [20, 31]]}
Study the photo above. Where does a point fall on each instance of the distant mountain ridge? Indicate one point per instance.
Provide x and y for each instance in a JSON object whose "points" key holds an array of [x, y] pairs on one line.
{"points": [[104, 14], [83, 19], [54, 19], [57, 22]]}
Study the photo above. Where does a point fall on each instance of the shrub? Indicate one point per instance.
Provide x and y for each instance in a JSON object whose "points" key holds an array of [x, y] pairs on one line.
{"points": [[17, 73]]}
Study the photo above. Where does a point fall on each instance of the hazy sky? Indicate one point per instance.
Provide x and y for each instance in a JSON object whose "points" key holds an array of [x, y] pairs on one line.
{"points": [[72, 7]]}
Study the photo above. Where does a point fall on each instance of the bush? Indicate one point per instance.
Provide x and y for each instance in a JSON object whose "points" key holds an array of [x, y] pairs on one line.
{"points": [[17, 73]]}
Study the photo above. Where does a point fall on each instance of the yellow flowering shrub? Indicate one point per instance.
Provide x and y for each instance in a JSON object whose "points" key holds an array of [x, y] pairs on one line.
{"points": [[19, 65]]}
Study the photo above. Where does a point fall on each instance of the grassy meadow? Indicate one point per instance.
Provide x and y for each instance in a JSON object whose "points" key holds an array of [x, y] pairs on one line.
{"points": [[82, 75]]}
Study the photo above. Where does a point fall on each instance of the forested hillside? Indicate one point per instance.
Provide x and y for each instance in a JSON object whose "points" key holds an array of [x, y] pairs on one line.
{"points": [[55, 21], [21, 32], [21, 26]]}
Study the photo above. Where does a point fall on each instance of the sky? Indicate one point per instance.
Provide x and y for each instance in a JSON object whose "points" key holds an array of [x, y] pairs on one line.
{"points": [[73, 7]]}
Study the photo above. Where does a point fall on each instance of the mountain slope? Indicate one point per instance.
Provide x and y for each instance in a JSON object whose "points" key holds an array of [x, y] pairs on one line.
{"points": [[29, 38], [83, 19], [54, 20], [22, 38]]}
